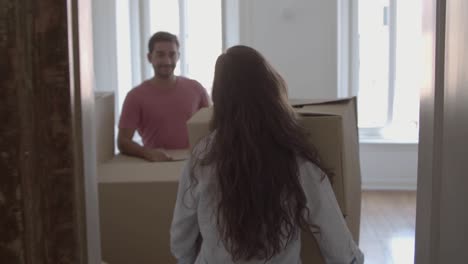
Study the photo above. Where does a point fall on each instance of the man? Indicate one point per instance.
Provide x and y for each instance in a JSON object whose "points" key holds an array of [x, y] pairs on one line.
{"points": [[160, 107]]}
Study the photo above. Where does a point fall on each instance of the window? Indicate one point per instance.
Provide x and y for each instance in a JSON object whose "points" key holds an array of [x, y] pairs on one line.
{"points": [[390, 68], [198, 28]]}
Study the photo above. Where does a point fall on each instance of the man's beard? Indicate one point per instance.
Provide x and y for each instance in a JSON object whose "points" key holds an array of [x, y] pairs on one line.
{"points": [[163, 72]]}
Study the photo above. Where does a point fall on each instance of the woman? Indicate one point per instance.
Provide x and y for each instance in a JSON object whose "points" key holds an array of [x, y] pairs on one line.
{"points": [[255, 181]]}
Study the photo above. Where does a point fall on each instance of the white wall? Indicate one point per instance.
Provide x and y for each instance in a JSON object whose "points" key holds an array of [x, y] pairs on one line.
{"points": [[230, 20], [105, 46], [299, 38], [308, 43], [389, 166]]}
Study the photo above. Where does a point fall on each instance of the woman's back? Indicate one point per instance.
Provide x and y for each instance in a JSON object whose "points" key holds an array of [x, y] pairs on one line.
{"points": [[256, 180], [197, 207]]}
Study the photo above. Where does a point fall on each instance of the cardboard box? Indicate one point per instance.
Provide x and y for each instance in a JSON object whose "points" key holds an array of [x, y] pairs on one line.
{"points": [[105, 120], [137, 198], [332, 128], [136, 203]]}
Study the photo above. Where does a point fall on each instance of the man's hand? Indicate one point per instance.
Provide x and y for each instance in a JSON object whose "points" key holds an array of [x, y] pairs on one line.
{"points": [[156, 155]]}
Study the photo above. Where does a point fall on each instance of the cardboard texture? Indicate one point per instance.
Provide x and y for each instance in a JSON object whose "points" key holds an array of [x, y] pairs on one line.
{"points": [[104, 110], [136, 203], [347, 182], [137, 197], [332, 128]]}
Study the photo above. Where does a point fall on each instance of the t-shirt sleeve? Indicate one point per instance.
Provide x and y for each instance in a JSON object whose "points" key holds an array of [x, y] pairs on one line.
{"points": [[204, 97], [130, 115]]}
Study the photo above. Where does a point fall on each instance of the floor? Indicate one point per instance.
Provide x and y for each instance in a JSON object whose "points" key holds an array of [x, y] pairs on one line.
{"points": [[387, 226]]}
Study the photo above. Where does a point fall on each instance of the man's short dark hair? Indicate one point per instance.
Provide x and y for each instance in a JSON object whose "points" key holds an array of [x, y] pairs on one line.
{"points": [[160, 37]]}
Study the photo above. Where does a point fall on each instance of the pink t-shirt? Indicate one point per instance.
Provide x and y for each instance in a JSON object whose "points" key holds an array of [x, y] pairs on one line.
{"points": [[160, 115]]}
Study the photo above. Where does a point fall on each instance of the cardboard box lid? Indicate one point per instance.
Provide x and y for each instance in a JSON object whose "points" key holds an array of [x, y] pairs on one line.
{"points": [[325, 107], [302, 102], [301, 106], [122, 169], [202, 116]]}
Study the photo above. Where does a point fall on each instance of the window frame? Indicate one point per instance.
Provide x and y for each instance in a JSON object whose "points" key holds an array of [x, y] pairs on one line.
{"points": [[376, 134]]}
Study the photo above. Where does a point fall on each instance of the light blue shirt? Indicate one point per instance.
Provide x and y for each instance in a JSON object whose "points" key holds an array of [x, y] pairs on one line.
{"points": [[194, 214]]}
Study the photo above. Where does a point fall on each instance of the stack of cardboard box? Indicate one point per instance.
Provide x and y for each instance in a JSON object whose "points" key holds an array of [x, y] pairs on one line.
{"points": [[137, 197]]}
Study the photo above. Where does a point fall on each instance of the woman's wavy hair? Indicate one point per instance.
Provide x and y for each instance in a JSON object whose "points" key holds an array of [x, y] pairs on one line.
{"points": [[254, 151]]}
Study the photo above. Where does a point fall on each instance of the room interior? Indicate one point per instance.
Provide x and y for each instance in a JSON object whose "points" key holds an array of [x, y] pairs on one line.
{"points": [[310, 42], [313, 47]]}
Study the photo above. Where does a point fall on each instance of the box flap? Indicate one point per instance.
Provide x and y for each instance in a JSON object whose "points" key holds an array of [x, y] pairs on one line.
{"points": [[202, 116], [308, 112], [124, 168], [297, 103], [329, 107]]}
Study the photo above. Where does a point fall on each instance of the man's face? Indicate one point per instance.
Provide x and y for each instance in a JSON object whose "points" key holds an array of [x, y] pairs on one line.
{"points": [[164, 58]]}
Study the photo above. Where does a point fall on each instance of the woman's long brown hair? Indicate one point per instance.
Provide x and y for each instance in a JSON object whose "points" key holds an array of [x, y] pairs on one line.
{"points": [[254, 150]]}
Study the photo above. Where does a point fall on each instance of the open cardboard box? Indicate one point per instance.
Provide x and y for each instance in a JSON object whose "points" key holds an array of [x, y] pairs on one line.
{"points": [[332, 128]]}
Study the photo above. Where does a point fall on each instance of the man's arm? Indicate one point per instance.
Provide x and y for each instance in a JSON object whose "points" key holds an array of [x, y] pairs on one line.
{"points": [[205, 100], [129, 147]]}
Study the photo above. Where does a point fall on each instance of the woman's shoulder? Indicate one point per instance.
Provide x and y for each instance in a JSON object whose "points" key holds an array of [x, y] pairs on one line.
{"points": [[202, 147], [309, 169]]}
